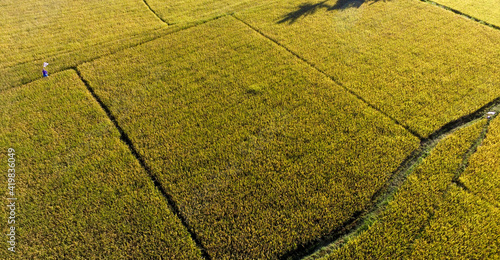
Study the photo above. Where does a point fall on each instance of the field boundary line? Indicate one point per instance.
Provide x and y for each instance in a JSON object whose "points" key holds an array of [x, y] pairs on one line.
{"points": [[382, 198], [92, 59], [331, 78], [462, 14], [471, 151], [361, 220], [154, 12], [124, 137]]}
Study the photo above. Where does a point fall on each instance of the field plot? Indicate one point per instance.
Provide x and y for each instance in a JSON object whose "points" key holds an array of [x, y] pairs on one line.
{"points": [[482, 175], [66, 33], [260, 151], [430, 217], [486, 10], [422, 65], [80, 192], [189, 11]]}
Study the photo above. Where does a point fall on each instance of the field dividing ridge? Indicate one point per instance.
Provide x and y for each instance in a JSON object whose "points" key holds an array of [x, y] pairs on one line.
{"points": [[154, 12], [421, 65], [332, 78], [481, 177], [73, 66], [419, 213], [124, 137], [468, 9], [382, 198]]}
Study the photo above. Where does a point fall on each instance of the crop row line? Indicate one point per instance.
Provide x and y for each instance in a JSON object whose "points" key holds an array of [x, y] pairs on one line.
{"points": [[126, 139], [462, 14]]}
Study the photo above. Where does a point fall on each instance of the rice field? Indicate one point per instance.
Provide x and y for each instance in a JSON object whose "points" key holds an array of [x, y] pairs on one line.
{"points": [[66, 33], [430, 217], [482, 175], [241, 145], [266, 129], [80, 192], [182, 12], [485, 10], [421, 65]]}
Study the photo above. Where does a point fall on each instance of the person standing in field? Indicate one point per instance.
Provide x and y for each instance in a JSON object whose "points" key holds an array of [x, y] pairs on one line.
{"points": [[45, 73]]}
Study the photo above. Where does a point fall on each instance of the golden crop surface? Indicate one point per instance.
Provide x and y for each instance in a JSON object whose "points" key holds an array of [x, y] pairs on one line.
{"points": [[66, 33], [260, 151], [270, 124], [485, 10], [482, 175], [80, 192], [430, 217], [422, 65], [190, 11]]}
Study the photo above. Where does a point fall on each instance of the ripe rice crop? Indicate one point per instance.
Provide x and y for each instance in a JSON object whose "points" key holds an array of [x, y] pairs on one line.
{"points": [[189, 11], [422, 65], [80, 193], [486, 10], [260, 151], [482, 175], [431, 216], [66, 33], [463, 227]]}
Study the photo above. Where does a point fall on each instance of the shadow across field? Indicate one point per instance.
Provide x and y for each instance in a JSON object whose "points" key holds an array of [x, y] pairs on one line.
{"points": [[306, 9]]}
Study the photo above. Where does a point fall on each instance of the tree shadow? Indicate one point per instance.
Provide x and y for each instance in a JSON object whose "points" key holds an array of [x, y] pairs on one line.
{"points": [[306, 9]]}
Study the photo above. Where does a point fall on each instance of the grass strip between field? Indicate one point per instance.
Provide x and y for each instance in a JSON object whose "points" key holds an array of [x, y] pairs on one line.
{"points": [[80, 192], [421, 65], [430, 217], [259, 151]]}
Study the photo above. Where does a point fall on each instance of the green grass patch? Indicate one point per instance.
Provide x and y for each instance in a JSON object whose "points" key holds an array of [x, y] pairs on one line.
{"points": [[66, 33], [260, 151], [422, 203], [486, 10], [422, 65], [482, 174], [80, 192]]}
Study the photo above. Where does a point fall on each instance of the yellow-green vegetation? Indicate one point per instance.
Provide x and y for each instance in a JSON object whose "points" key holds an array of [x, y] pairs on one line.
{"points": [[189, 11], [430, 217], [420, 64], [486, 10], [260, 151], [66, 33], [482, 175], [80, 192], [463, 227]]}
